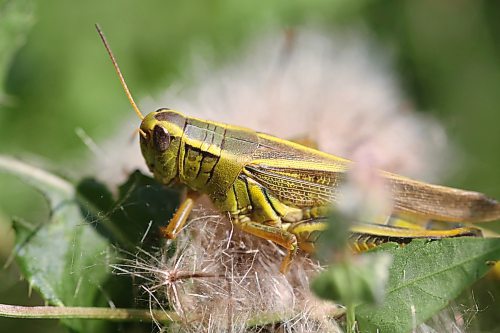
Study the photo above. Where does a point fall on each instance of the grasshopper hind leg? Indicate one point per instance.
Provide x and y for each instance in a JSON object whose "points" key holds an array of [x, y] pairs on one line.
{"points": [[367, 236], [364, 237]]}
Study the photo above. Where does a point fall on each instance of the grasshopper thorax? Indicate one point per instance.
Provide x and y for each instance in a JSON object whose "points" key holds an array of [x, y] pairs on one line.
{"points": [[161, 135]]}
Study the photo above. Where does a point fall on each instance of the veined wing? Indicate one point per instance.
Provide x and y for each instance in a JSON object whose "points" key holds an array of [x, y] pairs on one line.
{"points": [[314, 180], [299, 176], [297, 183], [440, 202]]}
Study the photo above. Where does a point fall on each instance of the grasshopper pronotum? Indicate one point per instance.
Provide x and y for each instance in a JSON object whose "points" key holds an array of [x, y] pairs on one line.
{"points": [[280, 190]]}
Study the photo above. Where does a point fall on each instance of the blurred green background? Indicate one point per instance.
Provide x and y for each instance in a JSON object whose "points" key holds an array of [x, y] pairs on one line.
{"points": [[447, 55]]}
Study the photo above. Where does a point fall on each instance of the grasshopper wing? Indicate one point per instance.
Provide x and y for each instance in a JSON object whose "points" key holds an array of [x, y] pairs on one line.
{"points": [[304, 177], [296, 183], [440, 203]]}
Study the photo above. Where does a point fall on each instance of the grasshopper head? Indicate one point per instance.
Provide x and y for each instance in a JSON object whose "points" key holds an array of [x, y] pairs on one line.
{"points": [[160, 140], [161, 131]]}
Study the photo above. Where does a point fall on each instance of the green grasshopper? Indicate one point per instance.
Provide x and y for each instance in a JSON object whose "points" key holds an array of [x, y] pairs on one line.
{"points": [[282, 191]]}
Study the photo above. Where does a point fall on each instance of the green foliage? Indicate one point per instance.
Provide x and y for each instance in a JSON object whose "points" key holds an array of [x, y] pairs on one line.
{"points": [[64, 258], [68, 258], [355, 281], [425, 277], [141, 205]]}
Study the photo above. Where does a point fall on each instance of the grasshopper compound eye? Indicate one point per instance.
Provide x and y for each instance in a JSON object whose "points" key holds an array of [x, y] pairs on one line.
{"points": [[161, 138]]}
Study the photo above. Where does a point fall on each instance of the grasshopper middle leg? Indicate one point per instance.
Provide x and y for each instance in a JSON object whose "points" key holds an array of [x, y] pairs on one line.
{"points": [[275, 234]]}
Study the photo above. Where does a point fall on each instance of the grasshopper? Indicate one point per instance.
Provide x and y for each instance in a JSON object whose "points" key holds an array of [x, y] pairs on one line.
{"points": [[282, 191]]}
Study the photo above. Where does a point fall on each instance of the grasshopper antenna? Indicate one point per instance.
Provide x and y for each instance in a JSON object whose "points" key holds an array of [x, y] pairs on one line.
{"points": [[117, 69]]}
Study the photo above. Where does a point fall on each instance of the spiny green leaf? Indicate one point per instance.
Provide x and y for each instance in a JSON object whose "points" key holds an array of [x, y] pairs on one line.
{"points": [[67, 259], [424, 277], [64, 258]]}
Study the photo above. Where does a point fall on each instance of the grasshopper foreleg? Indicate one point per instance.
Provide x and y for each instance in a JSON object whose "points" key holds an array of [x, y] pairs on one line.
{"points": [[180, 217]]}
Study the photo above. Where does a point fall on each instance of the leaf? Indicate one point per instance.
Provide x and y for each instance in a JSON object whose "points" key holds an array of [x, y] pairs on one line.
{"points": [[133, 218], [65, 259], [354, 280], [68, 258], [424, 277], [16, 19]]}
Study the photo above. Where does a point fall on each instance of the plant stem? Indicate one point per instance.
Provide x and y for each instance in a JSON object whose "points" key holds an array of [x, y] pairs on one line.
{"points": [[350, 318], [56, 312], [67, 312]]}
